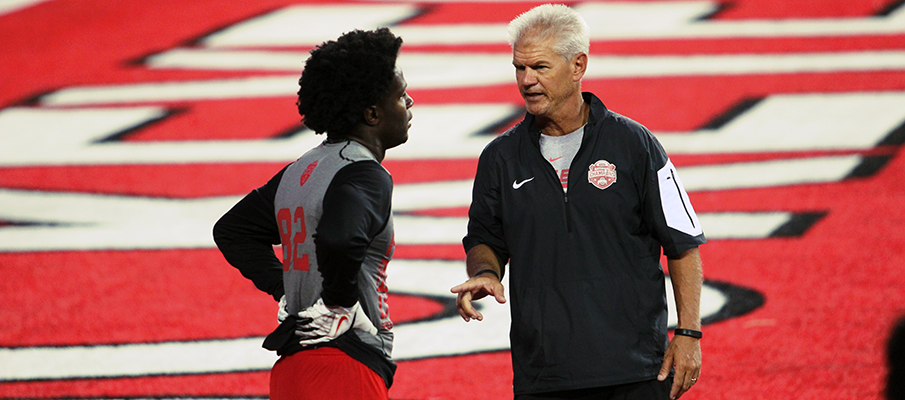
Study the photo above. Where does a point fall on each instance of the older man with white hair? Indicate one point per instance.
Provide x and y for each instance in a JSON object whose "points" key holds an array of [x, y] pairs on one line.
{"points": [[580, 201]]}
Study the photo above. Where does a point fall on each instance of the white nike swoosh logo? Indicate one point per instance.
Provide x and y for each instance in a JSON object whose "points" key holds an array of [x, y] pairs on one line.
{"points": [[516, 185]]}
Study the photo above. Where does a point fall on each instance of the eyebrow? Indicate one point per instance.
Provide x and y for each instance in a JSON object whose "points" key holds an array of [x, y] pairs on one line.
{"points": [[534, 65]]}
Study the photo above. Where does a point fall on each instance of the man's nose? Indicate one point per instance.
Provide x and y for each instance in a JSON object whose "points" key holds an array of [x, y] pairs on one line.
{"points": [[528, 77]]}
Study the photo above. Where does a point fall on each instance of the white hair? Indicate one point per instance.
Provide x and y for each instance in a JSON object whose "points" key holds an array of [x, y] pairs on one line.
{"points": [[568, 29]]}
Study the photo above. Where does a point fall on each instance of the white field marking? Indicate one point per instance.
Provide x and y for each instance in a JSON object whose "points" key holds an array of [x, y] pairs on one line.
{"points": [[214, 89], [94, 222], [768, 173], [435, 277], [432, 338], [229, 355], [451, 70], [50, 136], [629, 21], [742, 225], [78, 221], [608, 67], [421, 70], [31, 135], [446, 70], [422, 196], [790, 122], [716, 226], [310, 25], [10, 6]]}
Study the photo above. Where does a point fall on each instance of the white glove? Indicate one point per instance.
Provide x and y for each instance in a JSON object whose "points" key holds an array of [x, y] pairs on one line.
{"points": [[319, 323], [282, 313]]}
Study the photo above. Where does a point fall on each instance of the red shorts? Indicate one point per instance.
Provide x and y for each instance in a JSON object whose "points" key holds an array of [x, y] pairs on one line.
{"points": [[324, 373]]}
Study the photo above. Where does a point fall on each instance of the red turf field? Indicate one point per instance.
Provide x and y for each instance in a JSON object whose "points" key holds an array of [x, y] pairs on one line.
{"points": [[122, 139]]}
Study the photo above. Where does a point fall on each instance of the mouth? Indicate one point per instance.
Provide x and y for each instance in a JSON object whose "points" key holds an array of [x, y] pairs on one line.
{"points": [[532, 96]]}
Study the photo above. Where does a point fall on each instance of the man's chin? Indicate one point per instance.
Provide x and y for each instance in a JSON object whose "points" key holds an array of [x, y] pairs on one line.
{"points": [[535, 109], [401, 141]]}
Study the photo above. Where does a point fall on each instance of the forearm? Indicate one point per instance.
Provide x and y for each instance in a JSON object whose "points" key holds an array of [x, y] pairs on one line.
{"points": [[339, 263], [480, 258], [245, 236], [356, 208], [687, 277]]}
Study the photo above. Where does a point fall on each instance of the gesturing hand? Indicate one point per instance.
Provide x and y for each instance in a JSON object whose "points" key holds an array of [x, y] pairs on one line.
{"points": [[321, 323], [477, 288]]}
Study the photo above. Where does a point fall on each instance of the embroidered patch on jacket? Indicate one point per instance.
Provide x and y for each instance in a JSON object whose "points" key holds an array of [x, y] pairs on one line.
{"points": [[602, 174]]}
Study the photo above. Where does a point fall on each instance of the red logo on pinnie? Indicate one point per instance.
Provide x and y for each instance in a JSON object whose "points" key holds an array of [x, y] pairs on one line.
{"points": [[307, 173]]}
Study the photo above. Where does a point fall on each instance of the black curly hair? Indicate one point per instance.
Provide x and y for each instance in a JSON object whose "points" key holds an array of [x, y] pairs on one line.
{"points": [[344, 77]]}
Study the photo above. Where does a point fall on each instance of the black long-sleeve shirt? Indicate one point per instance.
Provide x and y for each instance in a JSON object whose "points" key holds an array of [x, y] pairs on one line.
{"points": [[357, 207], [334, 204]]}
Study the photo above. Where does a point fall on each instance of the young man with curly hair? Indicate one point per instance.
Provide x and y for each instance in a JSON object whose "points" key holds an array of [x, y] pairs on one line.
{"points": [[330, 211]]}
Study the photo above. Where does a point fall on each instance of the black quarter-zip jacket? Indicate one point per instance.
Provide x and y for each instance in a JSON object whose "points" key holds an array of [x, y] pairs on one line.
{"points": [[586, 286]]}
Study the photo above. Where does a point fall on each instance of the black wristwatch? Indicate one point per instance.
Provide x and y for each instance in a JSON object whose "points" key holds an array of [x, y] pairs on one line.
{"points": [[690, 333]]}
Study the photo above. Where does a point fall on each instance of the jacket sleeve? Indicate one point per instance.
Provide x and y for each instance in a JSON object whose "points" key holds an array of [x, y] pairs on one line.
{"points": [[246, 235], [357, 207], [667, 210], [485, 215]]}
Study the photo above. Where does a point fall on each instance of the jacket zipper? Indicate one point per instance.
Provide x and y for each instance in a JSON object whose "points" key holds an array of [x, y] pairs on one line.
{"points": [[565, 197], [565, 194]]}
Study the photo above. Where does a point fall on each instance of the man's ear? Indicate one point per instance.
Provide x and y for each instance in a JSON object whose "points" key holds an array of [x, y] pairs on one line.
{"points": [[579, 66], [371, 116]]}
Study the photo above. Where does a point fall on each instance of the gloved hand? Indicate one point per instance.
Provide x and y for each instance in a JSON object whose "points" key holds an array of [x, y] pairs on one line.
{"points": [[320, 323], [282, 313]]}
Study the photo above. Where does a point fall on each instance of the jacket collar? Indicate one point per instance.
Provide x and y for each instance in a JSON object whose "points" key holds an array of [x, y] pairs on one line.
{"points": [[598, 113]]}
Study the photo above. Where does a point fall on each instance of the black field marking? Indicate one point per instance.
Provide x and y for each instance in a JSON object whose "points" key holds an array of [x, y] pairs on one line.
{"points": [[739, 301], [722, 7], [798, 224], [31, 101], [895, 138], [5, 223], [732, 113], [890, 8], [198, 40], [869, 167], [504, 123], [123, 134]]}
